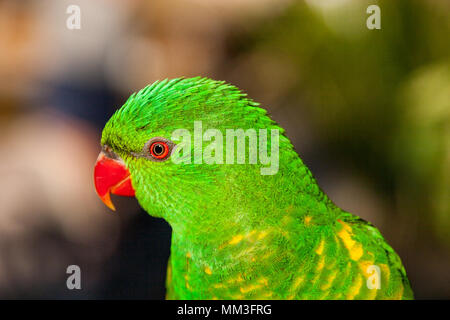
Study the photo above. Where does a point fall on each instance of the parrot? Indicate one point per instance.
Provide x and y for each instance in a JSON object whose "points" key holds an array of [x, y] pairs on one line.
{"points": [[237, 234]]}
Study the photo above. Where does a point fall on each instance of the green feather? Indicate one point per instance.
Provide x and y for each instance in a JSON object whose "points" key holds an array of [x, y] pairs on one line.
{"points": [[238, 234]]}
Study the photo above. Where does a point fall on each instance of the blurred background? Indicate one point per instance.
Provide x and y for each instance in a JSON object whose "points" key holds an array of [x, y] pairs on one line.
{"points": [[367, 110]]}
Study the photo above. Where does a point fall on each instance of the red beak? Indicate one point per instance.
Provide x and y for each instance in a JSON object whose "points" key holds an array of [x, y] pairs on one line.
{"points": [[111, 176]]}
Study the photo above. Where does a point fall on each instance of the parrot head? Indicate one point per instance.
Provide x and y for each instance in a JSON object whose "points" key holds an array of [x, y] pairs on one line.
{"points": [[137, 145]]}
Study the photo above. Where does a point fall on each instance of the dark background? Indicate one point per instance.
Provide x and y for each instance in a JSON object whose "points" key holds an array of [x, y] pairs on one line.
{"points": [[367, 110]]}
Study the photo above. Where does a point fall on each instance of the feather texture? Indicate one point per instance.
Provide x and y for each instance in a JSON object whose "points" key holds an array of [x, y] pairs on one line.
{"points": [[238, 234]]}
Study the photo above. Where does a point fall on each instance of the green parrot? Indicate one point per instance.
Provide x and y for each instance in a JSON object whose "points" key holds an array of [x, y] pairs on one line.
{"points": [[238, 232]]}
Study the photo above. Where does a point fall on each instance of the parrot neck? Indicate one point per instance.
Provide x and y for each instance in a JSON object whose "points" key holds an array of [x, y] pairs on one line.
{"points": [[249, 205], [250, 219]]}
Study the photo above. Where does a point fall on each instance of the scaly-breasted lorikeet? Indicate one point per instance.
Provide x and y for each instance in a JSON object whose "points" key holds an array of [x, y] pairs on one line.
{"points": [[237, 233]]}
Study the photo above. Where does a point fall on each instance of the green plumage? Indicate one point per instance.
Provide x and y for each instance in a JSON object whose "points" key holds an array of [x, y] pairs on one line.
{"points": [[238, 234]]}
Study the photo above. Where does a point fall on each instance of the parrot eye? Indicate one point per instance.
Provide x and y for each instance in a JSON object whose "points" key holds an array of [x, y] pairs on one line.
{"points": [[158, 149]]}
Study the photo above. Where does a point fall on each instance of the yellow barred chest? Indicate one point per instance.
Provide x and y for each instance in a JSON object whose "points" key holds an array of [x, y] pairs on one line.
{"points": [[343, 268], [337, 267]]}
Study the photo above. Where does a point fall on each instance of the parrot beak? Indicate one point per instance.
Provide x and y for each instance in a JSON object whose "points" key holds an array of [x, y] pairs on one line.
{"points": [[111, 176]]}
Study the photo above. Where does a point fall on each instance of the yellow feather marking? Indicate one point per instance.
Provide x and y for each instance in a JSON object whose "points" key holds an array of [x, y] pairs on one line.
{"points": [[188, 256], [250, 288], [262, 235], [385, 272], [237, 279], [236, 239], [208, 270], [329, 281], [356, 252], [215, 298], [297, 282], [354, 289], [321, 263], [364, 265], [399, 294], [346, 238], [251, 235], [319, 268], [319, 250], [187, 283], [263, 281], [218, 285], [354, 248], [348, 270], [307, 220], [267, 294], [250, 251]]}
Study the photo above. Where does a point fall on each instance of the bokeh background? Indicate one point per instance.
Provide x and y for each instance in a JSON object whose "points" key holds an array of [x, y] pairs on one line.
{"points": [[367, 110]]}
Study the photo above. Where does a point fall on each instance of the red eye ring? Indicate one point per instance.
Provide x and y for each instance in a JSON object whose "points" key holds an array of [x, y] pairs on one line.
{"points": [[163, 153]]}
